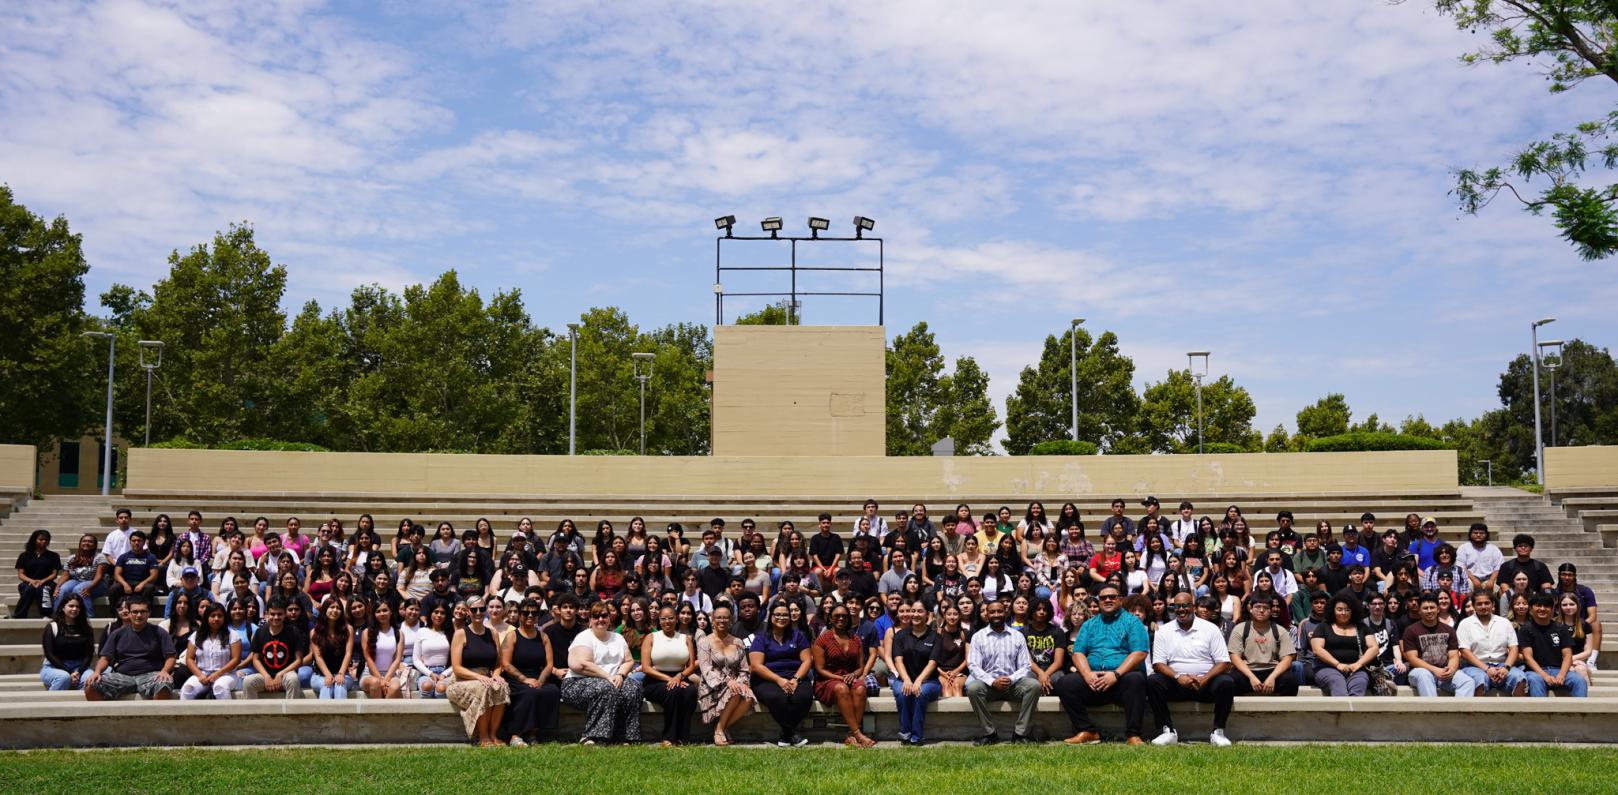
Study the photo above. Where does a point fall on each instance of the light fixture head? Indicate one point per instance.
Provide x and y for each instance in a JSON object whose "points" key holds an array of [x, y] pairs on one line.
{"points": [[819, 223], [861, 222], [1078, 321], [97, 335], [1203, 354], [771, 224], [725, 222], [718, 289], [572, 327], [1544, 321], [644, 356]]}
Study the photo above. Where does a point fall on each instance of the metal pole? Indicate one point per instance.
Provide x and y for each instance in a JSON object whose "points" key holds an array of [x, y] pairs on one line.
{"points": [[1553, 407], [1073, 374], [572, 387], [106, 448], [643, 415], [148, 407], [1539, 441], [792, 307], [1199, 415]]}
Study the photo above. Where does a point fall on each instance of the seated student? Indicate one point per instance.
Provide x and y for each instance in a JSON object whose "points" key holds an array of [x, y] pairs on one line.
{"points": [[1262, 654], [527, 661], [1547, 651], [477, 693], [669, 659], [278, 649], [430, 656], [779, 661], [1000, 668], [1109, 651], [1431, 650], [1343, 649], [1488, 646], [840, 664], [69, 645], [599, 684], [135, 573], [213, 657], [1189, 663], [138, 657]]}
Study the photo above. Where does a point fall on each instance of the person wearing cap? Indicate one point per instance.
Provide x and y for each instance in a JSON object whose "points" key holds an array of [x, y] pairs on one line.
{"points": [[1109, 653], [190, 585], [569, 533], [1154, 510], [701, 557], [1190, 662], [1355, 550], [552, 566], [1426, 545], [1479, 558], [712, 575]]}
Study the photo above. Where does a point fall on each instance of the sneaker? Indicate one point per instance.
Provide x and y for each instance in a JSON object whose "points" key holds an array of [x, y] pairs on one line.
{"points": [[1219, 739], [904, 737], [987, 739], [1168, 737], [518, 742], [1017, 739], [587, 741], [798, 741]]}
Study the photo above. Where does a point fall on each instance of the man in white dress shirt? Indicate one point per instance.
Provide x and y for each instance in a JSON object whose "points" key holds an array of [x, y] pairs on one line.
{"points": [[1190, 663]]}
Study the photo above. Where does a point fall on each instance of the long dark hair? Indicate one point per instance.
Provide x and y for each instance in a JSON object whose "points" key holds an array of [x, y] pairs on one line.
{"points": [[204, 632], [326, 635], [393, 624], [81, 625], [33, 539]]}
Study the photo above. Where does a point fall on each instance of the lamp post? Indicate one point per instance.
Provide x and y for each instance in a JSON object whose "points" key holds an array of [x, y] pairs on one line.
{"points": [[1073, 369], [1489, 466], [1550, 352], [106, 447], [1539, 441], [1191, 364], [636, 359], [572, 387], [156, 347]]}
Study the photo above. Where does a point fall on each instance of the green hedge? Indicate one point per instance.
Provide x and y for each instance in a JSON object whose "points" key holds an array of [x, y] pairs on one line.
{"points": [[604, 451], [1356, 442], [269, 445], [1064, 447]]}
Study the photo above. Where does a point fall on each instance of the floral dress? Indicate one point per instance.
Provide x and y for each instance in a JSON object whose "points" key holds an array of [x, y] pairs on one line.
{"points": [[717, 670]]}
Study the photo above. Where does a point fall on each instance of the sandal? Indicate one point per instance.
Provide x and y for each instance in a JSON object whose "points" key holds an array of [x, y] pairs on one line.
{"points": [[864, 739], [720, 738]]}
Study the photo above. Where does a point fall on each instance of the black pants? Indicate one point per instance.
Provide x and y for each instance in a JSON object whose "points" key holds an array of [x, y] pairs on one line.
{"points": [[1285, 685], [679, 705], [1219, 691], [1128, 692], [116, 594], [532, 711], [34, 596], [788, 709]]}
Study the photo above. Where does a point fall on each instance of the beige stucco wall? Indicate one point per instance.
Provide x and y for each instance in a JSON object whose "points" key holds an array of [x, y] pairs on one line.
{"points": [[1427, 472], [1581, 467], [799, 390], [16, 466]]}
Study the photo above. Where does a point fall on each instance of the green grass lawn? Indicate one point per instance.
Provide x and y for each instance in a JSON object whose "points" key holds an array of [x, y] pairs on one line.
{"points": [[1042, 770]]}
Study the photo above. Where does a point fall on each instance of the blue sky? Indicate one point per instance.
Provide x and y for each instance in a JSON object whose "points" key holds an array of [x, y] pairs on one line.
{"points": [[1267, 180]]}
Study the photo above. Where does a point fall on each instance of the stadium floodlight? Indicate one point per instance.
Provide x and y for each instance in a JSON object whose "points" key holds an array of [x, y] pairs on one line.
{"points": [[862, 225], [725, 224], [771, 225], [817, 225]]}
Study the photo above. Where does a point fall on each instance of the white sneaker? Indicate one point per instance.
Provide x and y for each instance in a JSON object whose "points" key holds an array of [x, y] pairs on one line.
{"points": [[518, 742], [1168, 737], [1219, 739]]}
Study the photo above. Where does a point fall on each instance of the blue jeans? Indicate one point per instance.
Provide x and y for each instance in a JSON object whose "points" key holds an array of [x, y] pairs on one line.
{"points": [[1514, 677], [306, 676], [1539, 688], [85, 592], [57, 678], [1427, 685], [913, 709], [337, 688]]}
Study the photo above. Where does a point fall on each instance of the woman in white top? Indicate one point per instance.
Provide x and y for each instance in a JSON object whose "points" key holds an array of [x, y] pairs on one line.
{"points": [[409, 627], [431, 655], [416, 577], [383, 653], [212, 657], [183, 558], [669, 658], [598, 682]]}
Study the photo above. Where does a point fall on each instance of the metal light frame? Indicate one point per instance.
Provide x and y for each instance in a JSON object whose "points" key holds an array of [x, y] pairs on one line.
{"points": [[1550, 357], [1073, 369], [156, 346], [772, 225], [634, 362], [106, 446], [1191, 364]]}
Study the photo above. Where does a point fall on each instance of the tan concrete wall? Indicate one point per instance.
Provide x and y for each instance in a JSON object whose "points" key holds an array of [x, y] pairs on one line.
{"points": [[17, 466], [799, 390], [1426, 472], [1581, 467]]}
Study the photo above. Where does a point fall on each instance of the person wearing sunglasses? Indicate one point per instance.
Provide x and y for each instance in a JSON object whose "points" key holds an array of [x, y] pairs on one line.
{"points": [[477, 692], [1190, 662], [1109, 652], [598, 682], [527, 661]]}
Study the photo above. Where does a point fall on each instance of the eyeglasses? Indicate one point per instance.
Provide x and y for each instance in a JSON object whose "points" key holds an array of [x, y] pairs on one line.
{"points": [[477, 609], [1184, 607], [1108, 597], [526, 613]]}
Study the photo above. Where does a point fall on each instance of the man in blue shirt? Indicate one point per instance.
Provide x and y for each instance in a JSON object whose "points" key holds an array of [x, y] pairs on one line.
{"points": [[1425, 547], [1109, 652]]}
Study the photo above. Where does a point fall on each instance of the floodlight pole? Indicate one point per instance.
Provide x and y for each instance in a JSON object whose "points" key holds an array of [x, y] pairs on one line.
{"points": [[572, 387], [106, 447], [1073, 370], [1539, 438]]}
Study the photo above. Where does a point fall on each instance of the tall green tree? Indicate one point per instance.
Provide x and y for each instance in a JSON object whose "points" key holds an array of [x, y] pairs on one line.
{"points": [[1573, 40], [1586, 403], [218, 313], [1168, 414], [966, 412], [1328, 416], [48, 383], [679, 396], [924, 404], [1040, 408], [776, 314]]}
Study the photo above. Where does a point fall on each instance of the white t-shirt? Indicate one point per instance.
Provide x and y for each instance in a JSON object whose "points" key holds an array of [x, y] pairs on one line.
{"points": [[607, 654], [1193, 651], [1490, 644], [1480, 562]]}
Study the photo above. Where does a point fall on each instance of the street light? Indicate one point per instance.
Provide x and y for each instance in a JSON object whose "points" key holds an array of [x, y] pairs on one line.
{"points": [[1539, 441], [1490, 467], [572, 387], [106, 448], [156, 347], [1550, 352], [1073, 369], [1191, 358], [637, 358]]}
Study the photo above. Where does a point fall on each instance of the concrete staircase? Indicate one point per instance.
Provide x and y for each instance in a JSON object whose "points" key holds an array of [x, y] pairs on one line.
{"points": [[65, 516]]}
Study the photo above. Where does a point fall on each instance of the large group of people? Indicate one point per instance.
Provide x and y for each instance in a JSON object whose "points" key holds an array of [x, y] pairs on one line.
{"points": [[1141, 612]]}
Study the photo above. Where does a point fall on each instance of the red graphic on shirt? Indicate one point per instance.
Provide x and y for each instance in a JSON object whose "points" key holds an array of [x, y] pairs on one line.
{"points": [[276, 655]]}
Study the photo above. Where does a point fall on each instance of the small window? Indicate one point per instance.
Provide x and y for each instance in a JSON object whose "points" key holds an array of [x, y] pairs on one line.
{"points": [[67, 470]]}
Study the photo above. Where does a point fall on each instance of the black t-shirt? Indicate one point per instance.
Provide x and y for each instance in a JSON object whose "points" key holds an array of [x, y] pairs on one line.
{"points": [[1345, 649], [561, 640], [914, 651], [1539, 575], [39, 565], [1383, 633], [276, 652], [823, 547], [862, 583], [1385, 561], [1334, 579], [1546, 642], [134, 653], [449, 599], [1042, 644]]}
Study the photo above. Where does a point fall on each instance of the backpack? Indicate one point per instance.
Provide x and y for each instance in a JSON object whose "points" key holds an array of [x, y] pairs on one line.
{"points": [[1275, 638]]}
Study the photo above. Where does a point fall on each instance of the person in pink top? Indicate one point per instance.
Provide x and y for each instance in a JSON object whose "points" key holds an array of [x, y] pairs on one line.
{"points": [[293, 539]]}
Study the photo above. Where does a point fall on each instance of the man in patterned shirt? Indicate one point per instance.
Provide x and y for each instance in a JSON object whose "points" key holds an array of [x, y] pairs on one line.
{"points": [[998, 669]]}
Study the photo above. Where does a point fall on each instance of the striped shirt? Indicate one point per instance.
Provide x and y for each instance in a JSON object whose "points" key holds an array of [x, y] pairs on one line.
{"points": [[996, 654]]}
